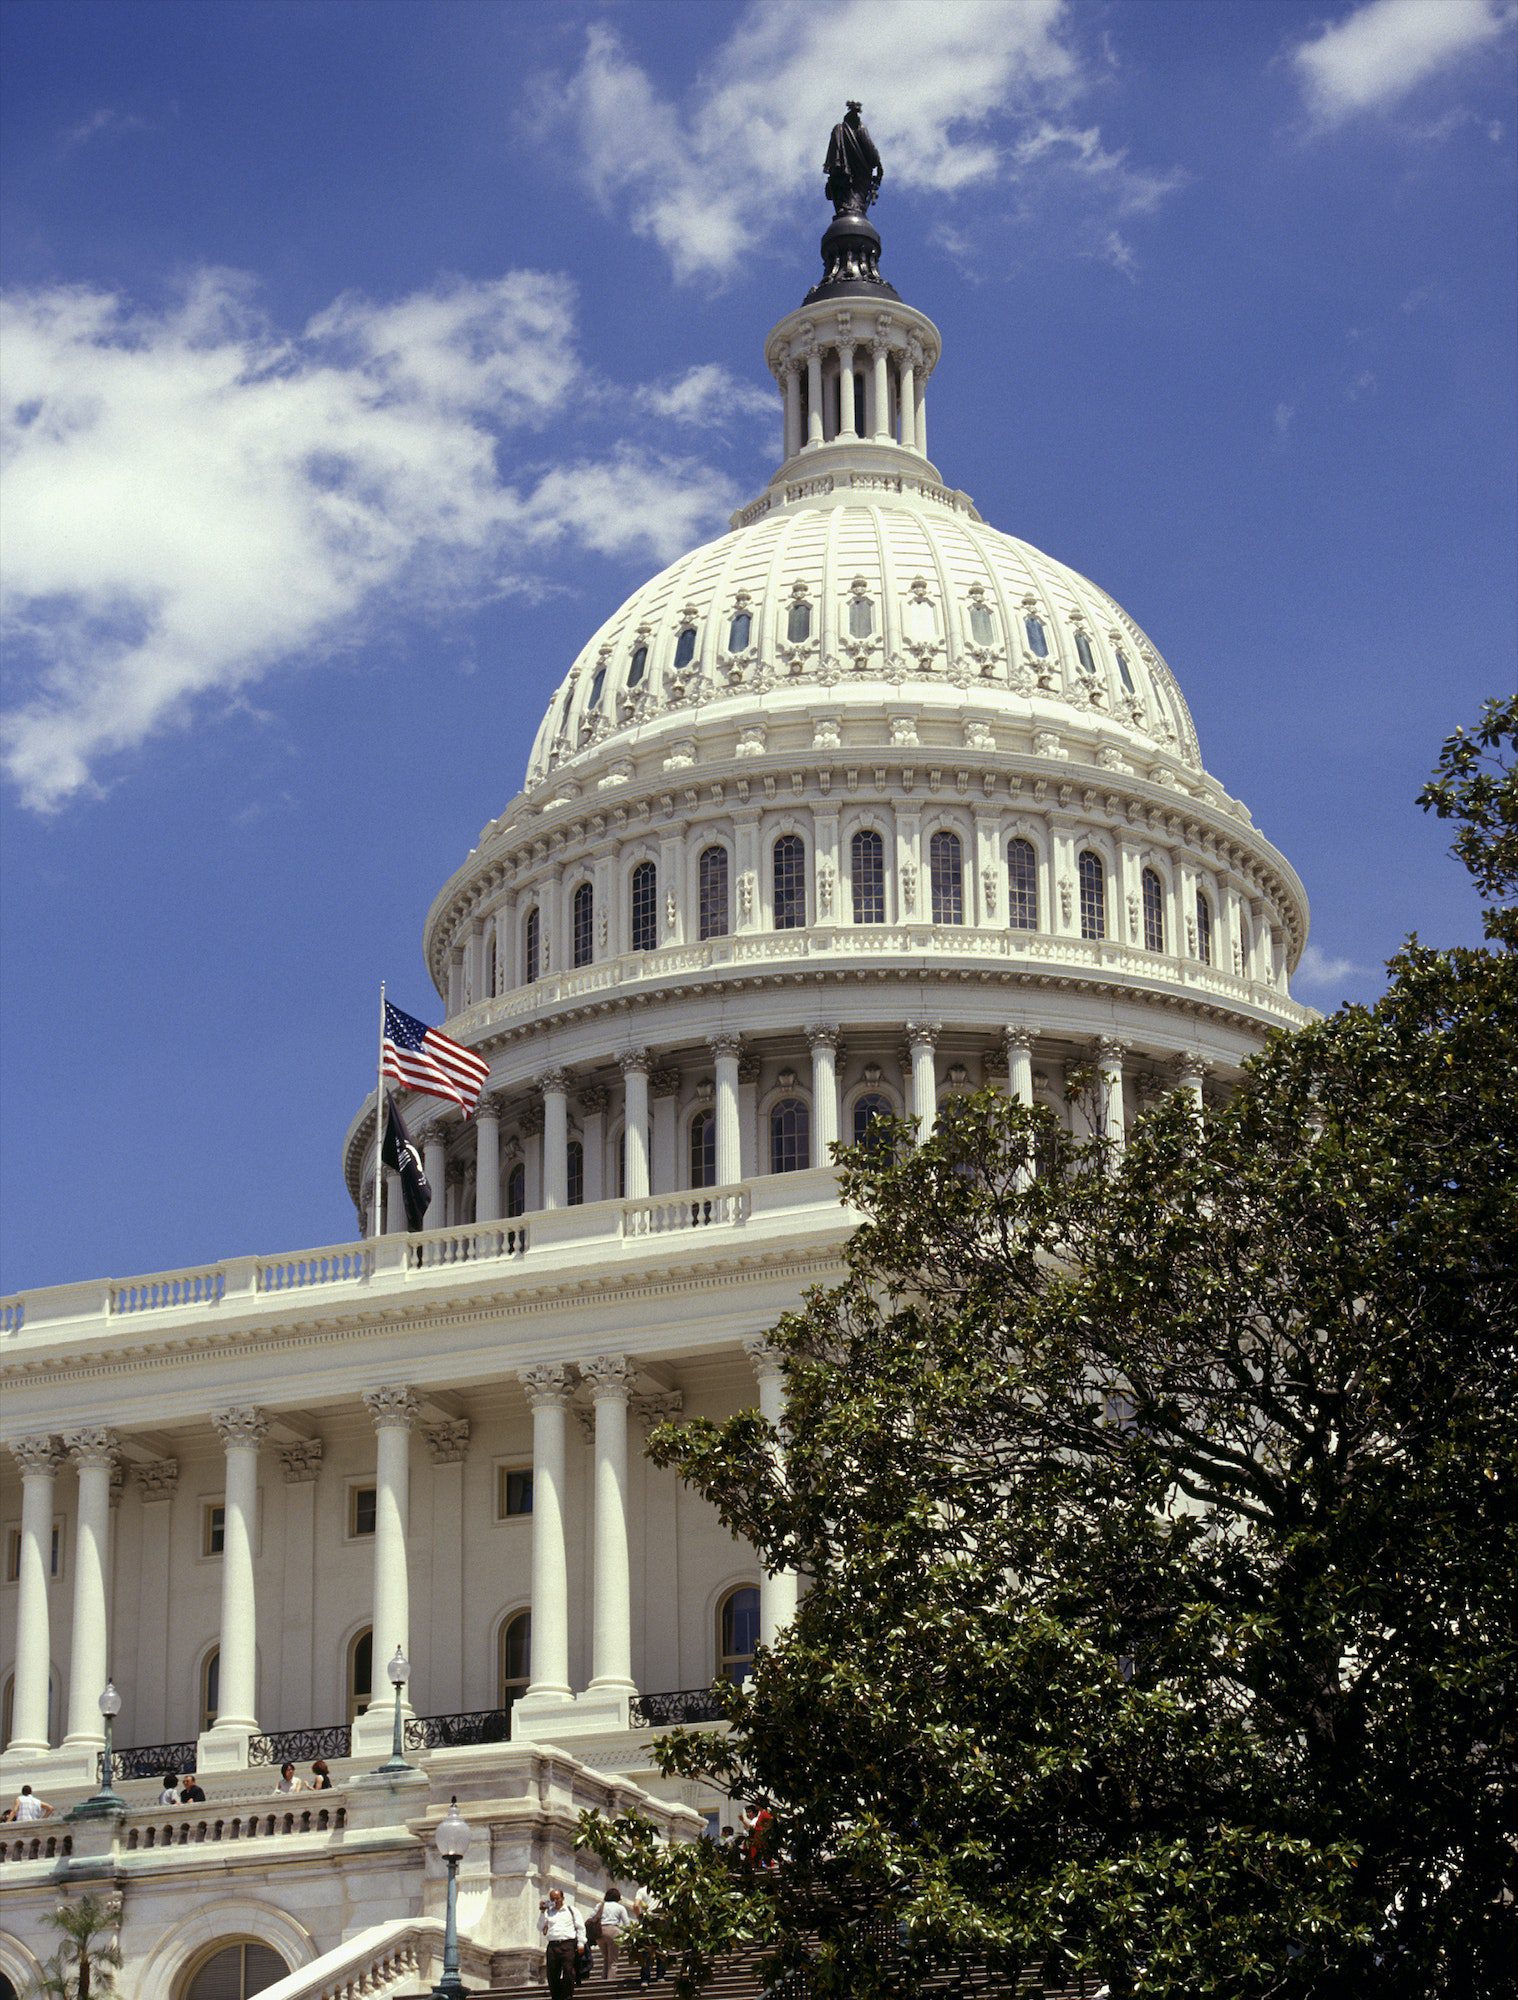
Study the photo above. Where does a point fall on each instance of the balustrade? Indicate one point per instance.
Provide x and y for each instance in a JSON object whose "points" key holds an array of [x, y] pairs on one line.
{"points": [[301, 1746], [454, 1732], [681, 1705], [699, 1209], [150, 1760]]}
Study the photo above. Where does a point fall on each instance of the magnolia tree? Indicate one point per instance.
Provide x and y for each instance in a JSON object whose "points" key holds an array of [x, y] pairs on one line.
{"points": [[1156, 1516]]}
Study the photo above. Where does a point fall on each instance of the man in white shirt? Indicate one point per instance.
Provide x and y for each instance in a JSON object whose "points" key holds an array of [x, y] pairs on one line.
{"points": [[29, 1806], [563, 1931]]}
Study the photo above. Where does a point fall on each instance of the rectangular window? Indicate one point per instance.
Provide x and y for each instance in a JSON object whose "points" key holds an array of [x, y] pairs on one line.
{"points": [[867, 869], [790, 883], [513, 1492], [12, 1555], [363, 1502], [213, 1528]]}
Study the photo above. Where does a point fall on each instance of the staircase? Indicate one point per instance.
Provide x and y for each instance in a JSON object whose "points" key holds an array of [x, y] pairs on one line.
{"points": [[738, 1979]]}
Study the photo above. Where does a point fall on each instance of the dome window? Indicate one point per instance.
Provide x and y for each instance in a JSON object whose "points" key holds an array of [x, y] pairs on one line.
{"points": [[638, 667], [597, 688], [712, 890], [703, 1149], [982, 625], [574, 1174], [1085, 655], [861, 617], [1022, 885], [946, 874], [798, 621], [738, 632], [869, 1110], [644, 911], [532, 946], [790, 1136], [789, 863], [1038, 637], [1093, 895], [516, 1190], [1125, 672], [685, 647], [1154, 911], [867, 876], [583, 924], [1203, 927]]}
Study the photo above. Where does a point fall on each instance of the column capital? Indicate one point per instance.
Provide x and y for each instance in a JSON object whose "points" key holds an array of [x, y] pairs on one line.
{"points": [[664, 1082], [725, 1045], [1192, 1069], [766, 1358], [301, 1461], [611, 1377], [922, 1035], [823, 1035], [92, 1445], [1112, 1048], [37, 1457], [553, 1080], [492, 1105], [448, 1443], [748, 1067], [594, 1100], [531, 1121], [548, 1385], [634, 1062], [244, 1424], [660, 1408], [393, 1407], [1020, 1041]]}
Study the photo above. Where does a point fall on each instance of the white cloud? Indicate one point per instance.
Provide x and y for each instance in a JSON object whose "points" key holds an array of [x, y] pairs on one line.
{"points": [[955, 96], [194, 499], [102, 124], [1372, 58], [709, 396], [1318, 969], [1284, 417]]}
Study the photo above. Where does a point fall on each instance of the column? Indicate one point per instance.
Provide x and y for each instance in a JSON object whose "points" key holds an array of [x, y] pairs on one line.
{"points": [[299, 1463], [1020, 1065], [38, 1459], [395, 1204], [593, 1104], [394, 1411], [664, 1166], [157, 1482], [922, 1040], [487, 1160], [242, 1430], [611, 1383], [1191, 1073], [847, 427], [814, 396], [455, 996], [824, 1041], [792, 390], [922, 415], [908, 392], [777, 1590], [447, 1447], [532, 1156], [548, 1391], [1109, 1065], [555, 1088], [93, 1451], [435, 1166], [725, 1050], [749, 1153], [635, 1121], [880, 425]]}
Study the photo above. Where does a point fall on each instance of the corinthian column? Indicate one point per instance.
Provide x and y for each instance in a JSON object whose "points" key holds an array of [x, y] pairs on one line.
{"points": [[38, 1459], [611, 1383], [394, 1410], [824, 1041], [777, 1592], [554, 1086], [635, 1122], [548, 1391], [93, 1451], [487, 1156], [225, 1745], [922, 1041], [1109, 1060], [725, 1050]]}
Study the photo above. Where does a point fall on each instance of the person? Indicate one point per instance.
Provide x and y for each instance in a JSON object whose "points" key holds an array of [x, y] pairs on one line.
{"points": [[190, 1791], [650, 1955], [169, 1796], [563, 1930], [321, 1777], [614, 1918], [288, 1781], [29, 1806]]}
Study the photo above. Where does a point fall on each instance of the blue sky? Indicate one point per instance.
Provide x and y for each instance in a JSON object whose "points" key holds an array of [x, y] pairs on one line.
{"points": [[360, 355]]}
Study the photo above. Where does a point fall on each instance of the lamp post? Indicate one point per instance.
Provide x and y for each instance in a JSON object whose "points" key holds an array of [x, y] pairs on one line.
{"points": [[453, 1844], [104, 1802], [399, 1671]]}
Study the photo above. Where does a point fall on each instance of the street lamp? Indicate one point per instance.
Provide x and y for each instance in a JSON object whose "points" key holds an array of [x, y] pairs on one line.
{"points": [[453, 1844], [399, 1671], [105, 1801]]}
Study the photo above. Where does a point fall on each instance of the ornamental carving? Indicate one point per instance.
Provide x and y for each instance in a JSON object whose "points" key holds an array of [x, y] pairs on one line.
{"points": [[768, 1362], [243, 1427], [593, 1101], [634, 1062], [93, 1445], [662, 1408], [824, 1035], [826, 734], [909, 886], [158, 1479], [748, 1068], [610, 1376], [988, 890], [725, 1045], [37, 1457], [922, 1036], [664, 1082], [548, 1385], [824, 889], [300, 1461], [746, 888], [448, 1442], [393, 1407], [553, 1080], [1065, 898]]}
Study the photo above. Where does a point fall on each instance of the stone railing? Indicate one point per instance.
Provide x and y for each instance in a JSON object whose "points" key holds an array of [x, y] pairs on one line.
{"points": [[160, 1827], [662, 1215], [42, 1840], [386, 1958]]}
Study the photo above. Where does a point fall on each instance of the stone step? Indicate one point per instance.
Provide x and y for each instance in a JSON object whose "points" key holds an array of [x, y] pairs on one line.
{"points": [[741, 1981]]}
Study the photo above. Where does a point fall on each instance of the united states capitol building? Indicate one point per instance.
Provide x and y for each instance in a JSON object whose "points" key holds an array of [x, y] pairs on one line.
{"points": [[863, 804]]}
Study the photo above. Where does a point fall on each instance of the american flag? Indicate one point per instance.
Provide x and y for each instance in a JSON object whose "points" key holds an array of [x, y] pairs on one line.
{"points": [[426, 1060]]}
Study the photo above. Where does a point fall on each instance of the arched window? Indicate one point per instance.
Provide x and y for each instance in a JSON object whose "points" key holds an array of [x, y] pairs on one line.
{"points": [[1084, 654], [703, 1149], [1022, 885], [235, 1972], [946, 873], [574, 1170], [685, 647], [1125, 673], [982, 625], [1203, 927], [622, 1165], [645, 906], [516, 1190], [597, 688], [798, 621], [713, 893], [1093, 891], [210, 1688], [867, 876], [1038, 638], [360, 1672], [513, 1659], [868, 1111], [737, 1633], [583, 924], [790, 1136], [638, 666], [531, 952], [738, 632], [861, 617], [1154, 911], [789, 861]]}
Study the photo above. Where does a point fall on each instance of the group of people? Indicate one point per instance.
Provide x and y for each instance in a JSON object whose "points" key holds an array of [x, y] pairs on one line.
{"points": [[570, 1939], [184, 1790], [320, 1779]]}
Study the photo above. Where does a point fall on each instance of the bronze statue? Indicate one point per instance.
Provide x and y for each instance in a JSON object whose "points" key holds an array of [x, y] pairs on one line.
{"points": [[853, 168]]}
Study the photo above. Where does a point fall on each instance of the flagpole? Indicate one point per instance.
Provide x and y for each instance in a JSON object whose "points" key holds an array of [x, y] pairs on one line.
{"points": [[379, 1126]]}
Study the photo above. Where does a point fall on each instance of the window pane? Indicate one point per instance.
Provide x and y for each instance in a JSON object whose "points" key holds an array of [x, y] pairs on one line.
{"points": [[1123, 670], [597, 687], [362, 1510], [516, 1490], [516, 1190], [363, 1666], [790, 882], [946, 872], [530, 953], [737, 1634], [1084, 653], [868, 1110], [516, 1652], [1203, 928], [798, 624], [713, 892], [1038, 638], [1093, 890], [638, 666], [1022, 886], [703, 1149], [738, 631], [1154, 912], [790, 1136], [867, 870], [645, 907], [982, 628], [584, 923], [685, 647], [861, 618], [574, 1169]]}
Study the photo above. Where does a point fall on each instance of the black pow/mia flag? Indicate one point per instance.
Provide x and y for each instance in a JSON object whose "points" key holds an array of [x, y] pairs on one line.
{"points": [[400, 1153]]}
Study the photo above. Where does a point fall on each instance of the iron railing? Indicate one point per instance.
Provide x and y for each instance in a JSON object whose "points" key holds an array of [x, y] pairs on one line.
{"points": [[650, 1711], [301, 1746], [149, 1760], [455, 1732]]}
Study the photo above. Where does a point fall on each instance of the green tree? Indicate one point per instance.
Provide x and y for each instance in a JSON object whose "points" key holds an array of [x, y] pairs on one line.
{"points": [[85, 1964], [1158, 1516]]}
